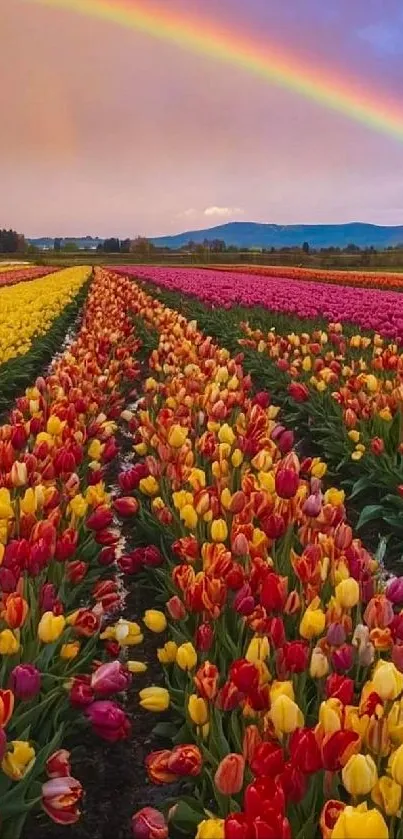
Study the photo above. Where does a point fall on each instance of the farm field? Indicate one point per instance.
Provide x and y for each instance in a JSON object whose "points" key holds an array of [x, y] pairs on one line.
{"points": [[201, 533]]}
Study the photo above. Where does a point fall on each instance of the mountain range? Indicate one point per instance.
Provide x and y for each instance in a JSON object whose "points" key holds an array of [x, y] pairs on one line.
{"points": [[252, 235], [245, 234]]}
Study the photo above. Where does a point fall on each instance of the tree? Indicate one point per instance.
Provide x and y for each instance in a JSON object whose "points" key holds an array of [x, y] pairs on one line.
{"points": [[352, 248], [70, 247], [125, 246], [12, 242], [305, 247], [111, 245], [142, 247], [57, 244]]}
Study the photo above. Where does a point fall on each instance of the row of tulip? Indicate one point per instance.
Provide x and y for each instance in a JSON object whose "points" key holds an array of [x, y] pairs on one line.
{"points": [[11, 275], [284, 656], [347, 406], [59, 651], [370, 309], [368, 279]]}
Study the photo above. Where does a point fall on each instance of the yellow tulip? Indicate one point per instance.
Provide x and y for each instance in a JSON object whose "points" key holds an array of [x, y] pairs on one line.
{"points": [[8, 643], [189, 516], [197, 479], [313, 622], [330, 713], [167, 653], [6, 510], [28, 502], [155, 620], [198, 710], [78, 506], [154, 699], [149, 486], [277, 689], [136, 666], [387, 681], [359, 775], [236, 458], [258, 649], [54, 426], [186, 656], [318, 468], [226, 434], [286, 716], [371, 383], [219, 530], [50, 627], [18, 760], [210, 829], [396, 766], [70, 651], [358, 822], [177, 436], [347, 593], [387, 795], [127, 633], [95, 449], [335, 497]]}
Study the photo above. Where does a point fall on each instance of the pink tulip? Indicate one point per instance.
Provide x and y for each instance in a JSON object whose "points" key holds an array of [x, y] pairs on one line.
{"points": [[110, 678]]}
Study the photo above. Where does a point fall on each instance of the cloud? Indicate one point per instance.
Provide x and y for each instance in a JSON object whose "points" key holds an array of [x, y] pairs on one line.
{"points": [[223, 211], [188, 213]]}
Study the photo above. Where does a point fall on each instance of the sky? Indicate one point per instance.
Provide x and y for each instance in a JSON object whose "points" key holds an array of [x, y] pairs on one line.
{"points": [[109, 131]]}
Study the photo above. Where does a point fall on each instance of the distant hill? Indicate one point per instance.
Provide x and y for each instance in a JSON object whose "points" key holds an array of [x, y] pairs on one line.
{"points": [[245, 234]]}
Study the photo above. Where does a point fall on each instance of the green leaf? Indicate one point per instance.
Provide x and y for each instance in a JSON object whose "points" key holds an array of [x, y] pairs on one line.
{"points": [[370, 513]]}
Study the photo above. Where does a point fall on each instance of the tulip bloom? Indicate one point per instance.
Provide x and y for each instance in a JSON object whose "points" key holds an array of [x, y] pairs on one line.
{"points": [[304, 751], [244, 675], [15, 611], [108, 720], [18, 760], [25, 681], [157, 767], [359, 775], [387, 795], [154, 699], [286, 716], [58, 764], [126, 506], [357, 822], [60, 798], [229, 775], [149, 823], [50, 627], [267, 759], [198, 710], [155, 620], [109, 678], [185, 760], [186, 656], [6, 706], [209, 828], [206, 680]]}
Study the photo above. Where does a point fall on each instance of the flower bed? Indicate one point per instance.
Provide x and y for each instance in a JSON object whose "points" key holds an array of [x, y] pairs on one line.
{"points": [[387, 280], [369, 309], [11, 275], [284, 659], [59, 651]]}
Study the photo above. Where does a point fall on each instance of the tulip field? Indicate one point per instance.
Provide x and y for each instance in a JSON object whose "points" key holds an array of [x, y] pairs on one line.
{"points": [[223, 449]]}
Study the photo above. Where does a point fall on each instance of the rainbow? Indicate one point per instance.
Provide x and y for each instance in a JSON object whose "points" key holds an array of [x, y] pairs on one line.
{"points": [[263, 60]]}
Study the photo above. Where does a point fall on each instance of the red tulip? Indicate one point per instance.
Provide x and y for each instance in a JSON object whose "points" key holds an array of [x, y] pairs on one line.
{"points": [[185, 760], [76, 571], [149, 824], [263, 792], [157, 767], [176, 608], [126, 506], [58, 764], [295, 655], [298, 391], [251, 740], [230, 774], [60, 798], [286, 482], [304, 751], [244, 675], [293, 782], [274, 592], [206, 680], [81, 693], [100, 519], [340, 687], [268, 759], [338, 747], [204, 637]]}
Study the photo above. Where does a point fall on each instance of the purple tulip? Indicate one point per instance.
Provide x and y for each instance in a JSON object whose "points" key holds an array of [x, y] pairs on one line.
{"points": [[108, 720], [25, 682], [313, 505], [342, 658], [336, 635], [394, 590]]}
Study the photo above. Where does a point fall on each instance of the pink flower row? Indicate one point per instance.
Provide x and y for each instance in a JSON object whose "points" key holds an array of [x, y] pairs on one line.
{"points": [[370, 309]]}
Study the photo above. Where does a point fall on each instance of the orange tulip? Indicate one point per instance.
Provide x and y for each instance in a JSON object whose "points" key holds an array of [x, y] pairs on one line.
{"points": [[230, 774]]}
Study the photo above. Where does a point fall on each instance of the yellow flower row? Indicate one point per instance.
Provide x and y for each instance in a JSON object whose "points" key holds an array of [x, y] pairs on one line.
{"points": [[27, 310]]}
